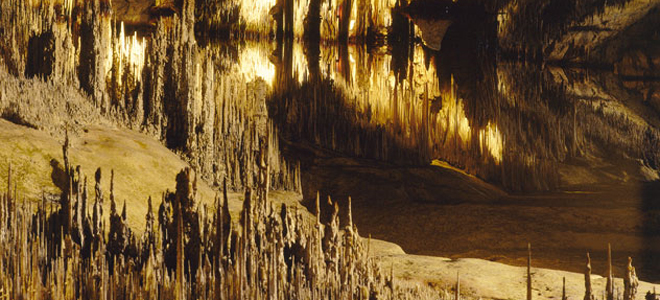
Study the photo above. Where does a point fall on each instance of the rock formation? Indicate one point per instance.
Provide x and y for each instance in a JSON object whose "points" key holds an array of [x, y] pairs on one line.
{"points": [[588, 292], [164, 84], [267, 256], [630, 282]]}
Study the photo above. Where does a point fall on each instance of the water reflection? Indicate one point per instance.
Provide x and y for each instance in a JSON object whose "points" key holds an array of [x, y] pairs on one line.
{"points": [[521, 127], [513, 125], [258, 16], [409, 119], [253, 62]]}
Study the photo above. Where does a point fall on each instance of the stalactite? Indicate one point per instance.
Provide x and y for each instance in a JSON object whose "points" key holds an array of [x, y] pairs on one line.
{"points": [[95, 53]]}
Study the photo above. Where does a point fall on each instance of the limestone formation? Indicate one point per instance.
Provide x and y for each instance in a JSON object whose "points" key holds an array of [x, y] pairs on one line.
{"points": [[609, 287], [588, 292], [260, 262], [630, 282], [529, 271], [163, 83]]}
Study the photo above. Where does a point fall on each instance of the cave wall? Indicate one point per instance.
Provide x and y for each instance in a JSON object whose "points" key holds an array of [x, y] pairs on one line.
{"points": [[162, 83]]}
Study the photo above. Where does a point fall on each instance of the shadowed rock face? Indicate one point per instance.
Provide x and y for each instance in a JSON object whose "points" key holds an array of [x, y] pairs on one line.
{"points": [[590, 32], [135, 12], [433, 31]]}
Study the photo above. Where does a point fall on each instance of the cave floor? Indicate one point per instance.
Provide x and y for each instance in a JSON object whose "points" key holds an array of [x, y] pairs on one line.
{"points": [[440, 211]]}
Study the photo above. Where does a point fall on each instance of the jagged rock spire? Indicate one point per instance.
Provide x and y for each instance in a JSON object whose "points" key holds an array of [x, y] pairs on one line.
{"points": [[529, 271], [149, 217], [630, 282], [85, 214], [9, 181], [350, 213], [123, 212], [609, 287], [112, 192], [65, 150], [97, 214], [588, 293], [318, 208]]}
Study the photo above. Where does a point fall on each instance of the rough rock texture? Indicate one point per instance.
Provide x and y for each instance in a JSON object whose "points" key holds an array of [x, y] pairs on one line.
{"points": [[163, 84], [266, 253], [135, 12], [45, 105], [640, 63]]}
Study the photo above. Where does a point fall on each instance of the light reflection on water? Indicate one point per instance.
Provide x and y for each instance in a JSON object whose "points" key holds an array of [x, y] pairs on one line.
{"points": [[253, 62], [512, 125], [414, 111], [256, 15], [404, 104]]}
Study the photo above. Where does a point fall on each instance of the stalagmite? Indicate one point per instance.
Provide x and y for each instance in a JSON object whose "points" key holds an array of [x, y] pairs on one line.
{"points": [[529, 271], [8, 197], [588, 294], [457, 290], [630, 282], [179, 290], [350, 213], [97, 214], [609, 287]]}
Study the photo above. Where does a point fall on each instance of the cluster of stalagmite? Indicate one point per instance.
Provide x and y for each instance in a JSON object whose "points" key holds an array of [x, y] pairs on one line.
{"points": [[630, 281], [64, 251], [162, 83]]}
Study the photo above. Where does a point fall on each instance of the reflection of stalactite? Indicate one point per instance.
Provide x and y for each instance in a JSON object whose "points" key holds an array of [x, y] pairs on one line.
{"points": [[503, 132], [533, 29]]}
